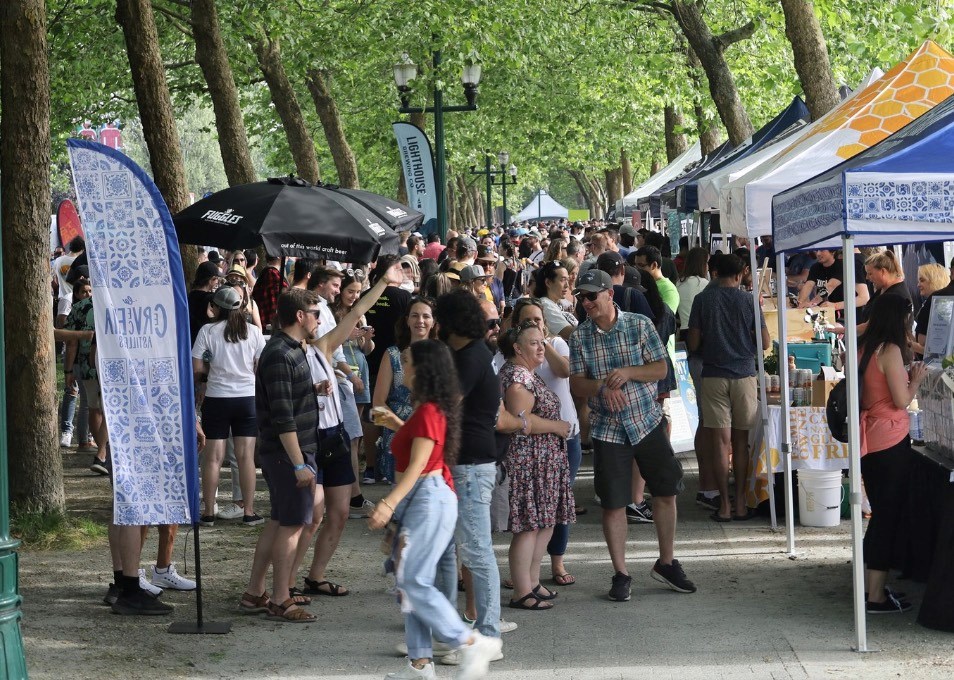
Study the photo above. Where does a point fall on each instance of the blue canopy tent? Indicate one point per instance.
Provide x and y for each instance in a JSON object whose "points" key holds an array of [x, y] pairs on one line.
{"points": [[898, 191], [687, 195], [666, 194]]}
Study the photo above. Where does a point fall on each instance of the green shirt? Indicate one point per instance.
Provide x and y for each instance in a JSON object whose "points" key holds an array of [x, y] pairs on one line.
{"points": [[81, 319], [670, 296]]}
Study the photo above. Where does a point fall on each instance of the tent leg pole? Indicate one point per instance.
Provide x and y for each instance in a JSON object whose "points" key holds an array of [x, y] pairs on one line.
{"points": [[785, 438], [854, 449], [760, 351]]}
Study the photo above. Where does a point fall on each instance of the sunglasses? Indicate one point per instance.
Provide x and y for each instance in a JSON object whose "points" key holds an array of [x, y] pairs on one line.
{"points": [[493, 323], [314, 312], [239, 259], [590, 297]]}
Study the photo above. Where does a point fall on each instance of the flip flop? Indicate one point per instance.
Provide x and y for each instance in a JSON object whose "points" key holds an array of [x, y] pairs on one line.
{"points": [[564, 579], [715, 517], [318, 588], [743, 518], [537, 606]]}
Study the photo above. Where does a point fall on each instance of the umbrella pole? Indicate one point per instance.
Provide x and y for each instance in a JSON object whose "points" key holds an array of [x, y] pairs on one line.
{"points": [[854, 445], [785, 440], [763, 409]]}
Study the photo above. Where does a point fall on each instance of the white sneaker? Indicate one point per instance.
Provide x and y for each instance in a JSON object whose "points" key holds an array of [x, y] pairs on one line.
{"points": [[411, 673], [230, 511], [453, 659], [507, 627], [148, 587], [439, 649], [170, 579], [66, 439], [360, 513], [475, 658]]}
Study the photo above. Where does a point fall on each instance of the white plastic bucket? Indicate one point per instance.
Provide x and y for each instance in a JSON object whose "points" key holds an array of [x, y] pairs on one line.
{"points": [[819, 498]]}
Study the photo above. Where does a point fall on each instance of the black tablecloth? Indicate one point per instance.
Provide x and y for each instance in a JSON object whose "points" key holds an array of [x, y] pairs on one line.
{"points": [[931, 539]]}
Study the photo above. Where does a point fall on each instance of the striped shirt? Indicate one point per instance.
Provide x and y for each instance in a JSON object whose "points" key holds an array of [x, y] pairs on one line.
{"points": [[594, 354], [285, 396]]}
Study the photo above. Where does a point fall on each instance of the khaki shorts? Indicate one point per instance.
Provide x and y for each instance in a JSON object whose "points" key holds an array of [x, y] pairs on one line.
{"points": [[730, 402], [94, 397]]}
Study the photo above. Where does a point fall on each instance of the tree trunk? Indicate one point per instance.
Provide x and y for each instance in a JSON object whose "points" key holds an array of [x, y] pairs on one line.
{"points": [[155, 111], [286, 104], [675, 138], [213, 59], [710, 137], [811, 57], [469, 201], [35, 463], [584, 189], [453, 216], [597, 199], [710, 50], [627, 169], [341, 152], [614, 186], [655, 167], [478, 201]]}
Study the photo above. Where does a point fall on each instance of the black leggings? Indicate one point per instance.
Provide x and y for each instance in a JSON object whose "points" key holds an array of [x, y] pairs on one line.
{"points": [[885, 474]]}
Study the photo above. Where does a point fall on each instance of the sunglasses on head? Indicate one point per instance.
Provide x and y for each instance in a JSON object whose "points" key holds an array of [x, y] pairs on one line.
{"points": [[590, 297]]}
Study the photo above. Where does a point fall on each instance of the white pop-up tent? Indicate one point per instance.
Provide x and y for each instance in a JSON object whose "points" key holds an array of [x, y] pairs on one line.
{"points": [[897, 192], [908, 90], [541, 207], [679, 164]]}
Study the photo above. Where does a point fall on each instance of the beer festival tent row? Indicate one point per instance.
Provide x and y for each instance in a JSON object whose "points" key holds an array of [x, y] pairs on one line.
{"points": [[666, 194], [900, 191], [541, 207], [630, 202]]}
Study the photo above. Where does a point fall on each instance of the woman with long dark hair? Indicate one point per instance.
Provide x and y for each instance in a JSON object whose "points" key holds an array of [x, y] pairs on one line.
{"points": [[551, 287], [390, 389], [424, 503], [224, 359], [887, 390]]}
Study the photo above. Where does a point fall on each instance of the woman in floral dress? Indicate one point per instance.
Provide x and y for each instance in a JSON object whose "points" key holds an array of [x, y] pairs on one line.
{"points": [[540, 493]]}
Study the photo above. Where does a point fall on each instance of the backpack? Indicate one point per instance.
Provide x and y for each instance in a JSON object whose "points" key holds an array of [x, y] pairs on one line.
{"points": [[836, 410]]}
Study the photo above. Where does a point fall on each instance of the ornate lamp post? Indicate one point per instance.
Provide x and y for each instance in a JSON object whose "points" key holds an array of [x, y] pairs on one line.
{"points": [[404, 72]]}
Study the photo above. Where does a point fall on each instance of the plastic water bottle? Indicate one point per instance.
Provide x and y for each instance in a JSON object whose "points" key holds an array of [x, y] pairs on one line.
{"points": [[916, 428]]}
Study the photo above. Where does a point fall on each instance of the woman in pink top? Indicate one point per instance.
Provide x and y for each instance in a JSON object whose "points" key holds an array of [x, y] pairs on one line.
{"points": [[887, 389]]}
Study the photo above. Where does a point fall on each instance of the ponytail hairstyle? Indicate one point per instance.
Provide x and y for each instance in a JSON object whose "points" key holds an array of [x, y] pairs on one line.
{"points": [[887, 261]]}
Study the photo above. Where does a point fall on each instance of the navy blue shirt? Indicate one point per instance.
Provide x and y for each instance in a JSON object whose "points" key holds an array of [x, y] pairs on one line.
{"points": [[726, 320]]}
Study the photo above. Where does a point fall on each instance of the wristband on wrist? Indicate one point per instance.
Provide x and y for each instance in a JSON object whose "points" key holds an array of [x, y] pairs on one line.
{"points": [[300, 467]]}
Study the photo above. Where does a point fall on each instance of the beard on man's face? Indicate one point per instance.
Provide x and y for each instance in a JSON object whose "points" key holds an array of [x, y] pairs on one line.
{"points": [[492, 344]]}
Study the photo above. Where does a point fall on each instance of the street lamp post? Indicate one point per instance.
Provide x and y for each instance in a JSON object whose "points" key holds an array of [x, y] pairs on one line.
{"points": [[404, 72], [503, 157]]}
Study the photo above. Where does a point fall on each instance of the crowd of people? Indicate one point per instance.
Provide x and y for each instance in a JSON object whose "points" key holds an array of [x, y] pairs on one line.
{"points": [[470, 377]]}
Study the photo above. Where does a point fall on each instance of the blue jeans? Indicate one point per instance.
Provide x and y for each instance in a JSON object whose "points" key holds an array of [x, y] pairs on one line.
{"points": [[68, 411], [561, 532], [475, 485], [427, 560]]}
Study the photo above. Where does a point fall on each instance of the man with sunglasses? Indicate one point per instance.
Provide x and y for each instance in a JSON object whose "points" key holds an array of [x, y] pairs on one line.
{"points": [[616, 360]]}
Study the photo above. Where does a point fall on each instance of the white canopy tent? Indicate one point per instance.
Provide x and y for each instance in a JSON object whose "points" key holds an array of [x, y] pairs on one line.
{"points": [[541, 207], [667, 174]]}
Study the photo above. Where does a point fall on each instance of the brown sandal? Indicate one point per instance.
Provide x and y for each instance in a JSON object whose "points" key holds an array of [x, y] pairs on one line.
{"points": [[283, 612], [252, 604]]}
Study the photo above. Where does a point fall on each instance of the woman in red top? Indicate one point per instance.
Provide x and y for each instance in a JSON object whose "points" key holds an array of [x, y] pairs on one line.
{"points": [[885, 446], [424, 503]]}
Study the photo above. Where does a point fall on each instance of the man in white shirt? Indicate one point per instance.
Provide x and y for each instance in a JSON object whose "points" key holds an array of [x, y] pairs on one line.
{"points": [[61, 267]]}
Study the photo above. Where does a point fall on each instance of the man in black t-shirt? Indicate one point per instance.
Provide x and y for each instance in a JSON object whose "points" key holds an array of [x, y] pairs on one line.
{"points": [[825, 285]]}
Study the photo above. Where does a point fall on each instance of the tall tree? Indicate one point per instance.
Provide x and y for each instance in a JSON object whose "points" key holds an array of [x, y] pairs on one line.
{"points": [[36, 468], [302, 148], [327, 109], [213, 59], [675, 137], [155, 110], [627, 170], [811, 56], [710, 136]]}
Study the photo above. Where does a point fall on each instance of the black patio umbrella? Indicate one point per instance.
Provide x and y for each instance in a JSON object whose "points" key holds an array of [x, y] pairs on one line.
{"points": [[396, 215], [291, 218]]}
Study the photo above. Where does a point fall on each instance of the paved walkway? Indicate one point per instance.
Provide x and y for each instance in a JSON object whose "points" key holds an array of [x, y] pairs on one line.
{"points": [[757, 614]]}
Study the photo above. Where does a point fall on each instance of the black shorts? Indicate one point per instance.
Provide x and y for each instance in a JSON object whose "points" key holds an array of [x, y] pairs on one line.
{"points": [[339, 473], [613, 468], [291, 506], [223, 414]]}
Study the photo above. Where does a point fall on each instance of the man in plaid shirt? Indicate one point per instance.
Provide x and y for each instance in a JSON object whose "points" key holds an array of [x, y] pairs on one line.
{"points": [[268, 287], [616, 359]]}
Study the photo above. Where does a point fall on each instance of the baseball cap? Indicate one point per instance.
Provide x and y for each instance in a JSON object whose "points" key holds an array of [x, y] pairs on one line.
{"points": [[214, 256], [628, 230], [227, 297], [609, 261], [593, 281], [206, 271], [467, 241], [472, 272]]}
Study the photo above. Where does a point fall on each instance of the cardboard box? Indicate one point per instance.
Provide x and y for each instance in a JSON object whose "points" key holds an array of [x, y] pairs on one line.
{"points": [[823, 385]]}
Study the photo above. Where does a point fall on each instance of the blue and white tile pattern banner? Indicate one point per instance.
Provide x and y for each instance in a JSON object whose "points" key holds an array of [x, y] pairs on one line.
{"points": [[142, 337]]}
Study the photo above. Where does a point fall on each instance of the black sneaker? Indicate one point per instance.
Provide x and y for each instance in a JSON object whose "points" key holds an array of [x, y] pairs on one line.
{"points": [[891, 605], [673, 576], [252, 520], [141, 604], [710, 503], [100, 466], [639, 514], [207, 520], [112, 594], [619, 592]]}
